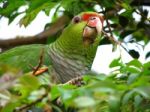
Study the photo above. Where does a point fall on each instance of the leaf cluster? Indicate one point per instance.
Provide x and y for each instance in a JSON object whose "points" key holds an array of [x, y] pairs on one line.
{"points": [[125, 89]]}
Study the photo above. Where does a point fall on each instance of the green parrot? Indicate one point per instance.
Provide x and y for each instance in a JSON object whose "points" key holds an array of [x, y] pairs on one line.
{"points": [[70, 56]]}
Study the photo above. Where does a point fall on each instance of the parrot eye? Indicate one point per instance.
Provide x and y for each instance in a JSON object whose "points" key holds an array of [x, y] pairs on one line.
{"points": [[76, 19]]}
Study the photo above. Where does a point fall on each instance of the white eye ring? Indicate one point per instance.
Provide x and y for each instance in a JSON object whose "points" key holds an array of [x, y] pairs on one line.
{"points": [[76, 19]]}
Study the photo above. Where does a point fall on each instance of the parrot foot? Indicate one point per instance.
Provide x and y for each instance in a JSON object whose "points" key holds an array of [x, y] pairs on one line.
{"points": [[78, 81]]}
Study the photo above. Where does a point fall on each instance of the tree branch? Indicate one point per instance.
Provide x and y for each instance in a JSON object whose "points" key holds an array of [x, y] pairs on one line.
{"points": [[37, 39], [19, 109]]}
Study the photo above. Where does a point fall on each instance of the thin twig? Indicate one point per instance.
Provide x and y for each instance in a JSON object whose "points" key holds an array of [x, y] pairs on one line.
{"points": [[40, 62], [114, 40], [19, 109], [108, 24], [32, 67], [111, 38], [148, 19], [38, 70]]}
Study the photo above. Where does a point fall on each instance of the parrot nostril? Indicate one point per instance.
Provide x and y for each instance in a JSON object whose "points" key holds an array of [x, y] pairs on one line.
{"points": [[92, 18]]}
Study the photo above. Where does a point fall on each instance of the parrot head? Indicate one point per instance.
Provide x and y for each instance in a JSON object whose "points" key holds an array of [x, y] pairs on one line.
{"points": [[84, 28], [93, 27]]}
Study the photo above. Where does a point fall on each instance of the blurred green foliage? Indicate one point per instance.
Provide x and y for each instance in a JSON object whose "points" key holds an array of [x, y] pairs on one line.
{"points": [[126, 89]]}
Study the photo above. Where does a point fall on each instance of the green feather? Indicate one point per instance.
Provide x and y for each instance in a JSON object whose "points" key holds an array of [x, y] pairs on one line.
{"points": [[23, 56], [71, 43]]}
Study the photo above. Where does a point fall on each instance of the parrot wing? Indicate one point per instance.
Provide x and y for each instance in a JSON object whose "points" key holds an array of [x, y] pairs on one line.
{"points": [[23, 57]]}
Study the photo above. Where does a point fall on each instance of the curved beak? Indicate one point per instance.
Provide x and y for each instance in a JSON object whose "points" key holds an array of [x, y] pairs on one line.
{"points": [[91, 30]]}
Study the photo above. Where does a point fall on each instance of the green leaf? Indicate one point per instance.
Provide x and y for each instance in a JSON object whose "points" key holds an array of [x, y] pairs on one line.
{"points": [[11, 7], [30, 81], [84, 101], [132, 69], [104, 41], [54, 92], [144, 91], [9, 107], [137, 101], [127, 97], [114, 103], [67, 92], [12, 17], [126, 33], [101, 77], [66, 3], [115, 63], [74, 7], [146, 68], [128, 14], [48, 8], [28, 18], [146, 65], [67, 95], [108, 3], [132, 78], [147, 55], [34, 8], [143, 80], [27, 84], [126, 6], [135, 63], [102, 87]]}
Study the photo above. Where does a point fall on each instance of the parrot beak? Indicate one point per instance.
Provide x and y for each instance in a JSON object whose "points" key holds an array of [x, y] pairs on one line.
{"points": [[91, 30]]}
